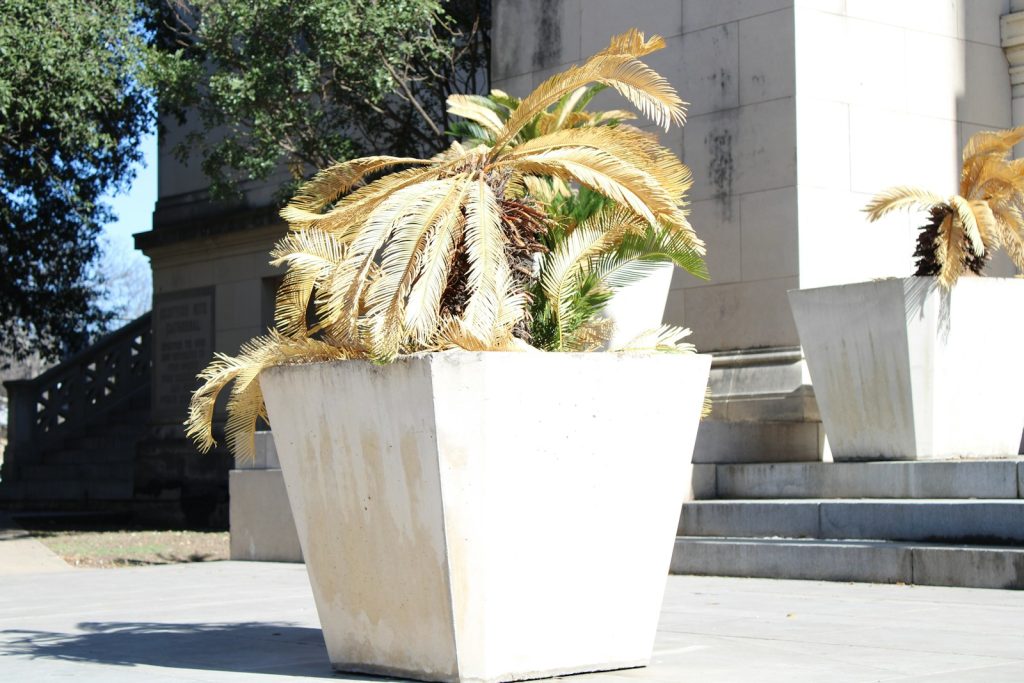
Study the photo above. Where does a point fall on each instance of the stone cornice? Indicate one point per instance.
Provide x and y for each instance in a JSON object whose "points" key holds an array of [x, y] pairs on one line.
{"points": [[1011, 28]]}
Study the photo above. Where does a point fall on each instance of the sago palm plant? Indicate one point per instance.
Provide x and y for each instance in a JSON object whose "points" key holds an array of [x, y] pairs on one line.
{"points": [[442, 253], [965, 229], [578, 272]]}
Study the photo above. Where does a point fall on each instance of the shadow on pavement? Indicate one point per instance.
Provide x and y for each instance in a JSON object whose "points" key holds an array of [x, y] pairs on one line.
{"points": [[251, 647]]}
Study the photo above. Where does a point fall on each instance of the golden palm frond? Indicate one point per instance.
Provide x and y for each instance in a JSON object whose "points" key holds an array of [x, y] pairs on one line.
{"points": [[354, 207], [631, 147], [485, 249], [245, 409], [611, 176], [632, 43], [984, 154], [385, 299], [334, 181], [310, 256], [968, 223], [246, 403], [667, 338], [618, 67], [998, 142], [900, 198], [455, 332], [602, 117], [988, 231], [469, 107], [423, 308], [952, 251]]}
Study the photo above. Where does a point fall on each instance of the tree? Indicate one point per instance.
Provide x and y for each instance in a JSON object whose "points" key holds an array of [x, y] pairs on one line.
{"points": [[278, 83], [72, 111]]}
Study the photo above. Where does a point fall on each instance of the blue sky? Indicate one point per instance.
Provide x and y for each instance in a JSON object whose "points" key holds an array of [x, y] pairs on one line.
{"points": [[135, 208], [134, 211]]}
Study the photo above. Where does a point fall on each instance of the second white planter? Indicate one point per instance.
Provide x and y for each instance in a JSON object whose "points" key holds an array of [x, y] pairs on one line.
{"points": [[488, 516], [903, 369], [639, 307]]}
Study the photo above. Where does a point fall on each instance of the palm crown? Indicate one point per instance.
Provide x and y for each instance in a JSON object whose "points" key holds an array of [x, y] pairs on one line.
{"points": [[966, 228], [444, 253]]}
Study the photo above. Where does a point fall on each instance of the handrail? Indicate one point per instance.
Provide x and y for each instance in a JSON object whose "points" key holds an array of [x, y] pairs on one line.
{"points": [[79, 391]]}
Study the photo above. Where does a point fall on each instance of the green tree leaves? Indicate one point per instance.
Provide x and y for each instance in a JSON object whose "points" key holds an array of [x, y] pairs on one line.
{"points": [[279, 84], [72, 111]]}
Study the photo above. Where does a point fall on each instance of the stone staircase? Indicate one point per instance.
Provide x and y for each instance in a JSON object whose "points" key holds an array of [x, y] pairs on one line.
{"points": [[74, 429], [946, 523], [97, 465]]}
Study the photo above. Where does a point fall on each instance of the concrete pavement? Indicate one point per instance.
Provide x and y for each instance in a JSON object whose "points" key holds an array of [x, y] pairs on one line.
{"points": [[22, 554], [250, 621]]}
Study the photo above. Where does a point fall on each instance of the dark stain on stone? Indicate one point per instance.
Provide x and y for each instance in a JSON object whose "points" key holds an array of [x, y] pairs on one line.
{"points": [[720, 168], [724, 79], [548, 34]]}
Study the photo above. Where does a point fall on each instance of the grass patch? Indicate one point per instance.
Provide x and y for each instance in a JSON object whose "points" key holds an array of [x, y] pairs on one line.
{"points": [[120, 547]]}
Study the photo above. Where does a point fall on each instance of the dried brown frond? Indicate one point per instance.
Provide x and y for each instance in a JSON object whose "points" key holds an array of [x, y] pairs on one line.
{"points": [[591, 336]]}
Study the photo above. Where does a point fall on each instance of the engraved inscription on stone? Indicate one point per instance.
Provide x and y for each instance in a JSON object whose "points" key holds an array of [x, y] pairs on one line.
{"points": [[183, 345]]}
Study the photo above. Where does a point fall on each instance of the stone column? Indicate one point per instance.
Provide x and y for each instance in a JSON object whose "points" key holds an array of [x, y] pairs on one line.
{"points": [[1011, 28]]}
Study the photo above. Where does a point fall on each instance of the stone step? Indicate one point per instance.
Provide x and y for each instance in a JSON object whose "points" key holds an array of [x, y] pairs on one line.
{"points": [[81, 471], [65, 490], [121, 443], [955, 521], [924, 479], [864, 561], [79, 456]]}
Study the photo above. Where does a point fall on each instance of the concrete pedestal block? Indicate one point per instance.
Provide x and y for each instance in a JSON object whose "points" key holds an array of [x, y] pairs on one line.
{"points": [[262, 527], [763, 410], [903, 369], [459, 511]]}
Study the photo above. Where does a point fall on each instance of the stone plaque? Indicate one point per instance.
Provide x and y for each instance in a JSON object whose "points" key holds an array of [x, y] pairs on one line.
{"points": [[182, 347]]}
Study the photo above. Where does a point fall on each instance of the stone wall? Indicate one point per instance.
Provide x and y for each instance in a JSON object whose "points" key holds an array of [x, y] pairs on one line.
{"points": [[887, 94], [733, 62], [799, 111]]}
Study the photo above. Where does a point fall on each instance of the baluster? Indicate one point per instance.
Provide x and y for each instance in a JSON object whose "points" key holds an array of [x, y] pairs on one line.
{"points": [[21, 424]]}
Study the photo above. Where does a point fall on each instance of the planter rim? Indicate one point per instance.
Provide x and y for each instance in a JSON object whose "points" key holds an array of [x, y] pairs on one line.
{"points": [[881, 280], [453, 354]]}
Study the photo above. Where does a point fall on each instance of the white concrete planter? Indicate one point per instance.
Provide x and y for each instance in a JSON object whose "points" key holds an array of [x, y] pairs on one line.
{"points": [[640, 306], [905, 370], [463, 521]]}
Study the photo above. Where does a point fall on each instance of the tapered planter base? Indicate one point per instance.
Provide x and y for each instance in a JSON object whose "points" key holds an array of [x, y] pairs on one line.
{"points": [[903, 369], [488, 516]]}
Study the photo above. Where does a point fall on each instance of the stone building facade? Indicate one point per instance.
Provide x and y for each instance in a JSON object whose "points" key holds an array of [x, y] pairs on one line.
{"points": [[799, 111]]}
